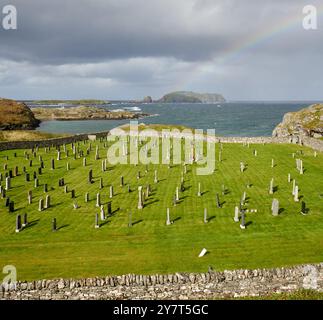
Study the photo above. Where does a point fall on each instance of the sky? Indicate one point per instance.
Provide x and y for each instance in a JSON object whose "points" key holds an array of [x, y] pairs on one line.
{"points": [[128, 49]]}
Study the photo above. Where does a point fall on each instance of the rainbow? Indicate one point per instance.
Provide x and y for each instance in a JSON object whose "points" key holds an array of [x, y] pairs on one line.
{"points": [[239, 48]]}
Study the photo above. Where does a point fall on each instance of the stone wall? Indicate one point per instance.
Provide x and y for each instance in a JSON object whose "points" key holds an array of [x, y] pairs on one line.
{"points": [[313, 143], [227, 284], [11, 145]]}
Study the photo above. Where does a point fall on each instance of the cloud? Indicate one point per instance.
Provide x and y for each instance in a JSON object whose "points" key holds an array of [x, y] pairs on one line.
{"points": [[130, 48]]}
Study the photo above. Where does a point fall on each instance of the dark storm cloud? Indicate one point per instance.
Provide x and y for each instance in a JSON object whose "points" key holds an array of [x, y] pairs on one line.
{"points": [[124, 48]]}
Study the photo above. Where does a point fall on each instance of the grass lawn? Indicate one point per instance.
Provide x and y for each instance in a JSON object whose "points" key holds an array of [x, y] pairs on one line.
{"points": [[79, 250]]}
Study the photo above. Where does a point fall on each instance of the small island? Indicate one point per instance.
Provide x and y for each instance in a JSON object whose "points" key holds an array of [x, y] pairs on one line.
{"points": [[191, 97]]}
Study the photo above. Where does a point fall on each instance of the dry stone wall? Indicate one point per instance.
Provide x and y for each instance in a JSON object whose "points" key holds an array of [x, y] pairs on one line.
{"points": [[210, 285]]}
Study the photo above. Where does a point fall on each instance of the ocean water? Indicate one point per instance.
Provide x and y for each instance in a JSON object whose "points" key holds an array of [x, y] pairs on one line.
{"points": [[227, 119]]}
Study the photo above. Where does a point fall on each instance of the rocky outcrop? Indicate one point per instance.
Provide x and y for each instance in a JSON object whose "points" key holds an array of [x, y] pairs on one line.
{"points": [[16, 116], [191, 97], [83, 113], [306, 122], [147, 99]]}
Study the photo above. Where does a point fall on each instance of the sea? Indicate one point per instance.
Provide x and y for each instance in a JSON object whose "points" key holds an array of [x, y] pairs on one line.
{"points": [[227, 119]]}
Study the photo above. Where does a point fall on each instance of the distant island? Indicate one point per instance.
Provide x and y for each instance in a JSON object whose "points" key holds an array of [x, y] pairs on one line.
{"points": [[191, 97]]}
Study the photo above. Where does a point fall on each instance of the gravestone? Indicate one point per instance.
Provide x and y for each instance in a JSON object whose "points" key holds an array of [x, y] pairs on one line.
{"points": [[177, 194], [296, 198], [271, 186], [98, 202], [236, 214], [36, 183], [168, 221], [18, 223], [243, 222], [86, 197], [30, 197], [25, 222], [54, 225], [294, 186], [58, 155], [275, 207], [140, 200], [45, 188], [111, 192], [272, 163], [199, 190], [303, 208], [155, 177], [100, 183], [84, 162], [90, 176], [109, 208], [7, 202], [47, 202], [8, 183], [41, 205], [68, 167], [102, 213], [138, 175], [289, 179], [73, 194], [65, 189], [97, 225], [121, 181], [205, 216], [52, 164], [11, 207], [217, 199]]}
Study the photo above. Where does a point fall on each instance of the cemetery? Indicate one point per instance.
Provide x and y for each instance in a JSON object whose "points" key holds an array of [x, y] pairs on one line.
{"points": [[65, 211]]}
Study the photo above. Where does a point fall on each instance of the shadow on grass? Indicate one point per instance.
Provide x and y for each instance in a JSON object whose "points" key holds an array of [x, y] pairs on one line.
{"points": [[210, 218], [31, 224], [177, 219], [137, 222], [248, 224], [62, 227], [151, 202]]}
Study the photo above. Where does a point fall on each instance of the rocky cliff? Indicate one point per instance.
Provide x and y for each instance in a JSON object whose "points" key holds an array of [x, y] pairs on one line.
{"points": [[191, 97], [16, 116], [306, 122]]}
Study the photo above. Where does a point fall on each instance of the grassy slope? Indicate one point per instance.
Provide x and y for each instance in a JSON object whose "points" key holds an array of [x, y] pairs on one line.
{"points": [[78, 250], [27, 135]]}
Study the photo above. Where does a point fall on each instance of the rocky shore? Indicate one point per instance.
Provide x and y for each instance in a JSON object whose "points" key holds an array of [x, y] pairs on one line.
{"points": [[83, 113]]}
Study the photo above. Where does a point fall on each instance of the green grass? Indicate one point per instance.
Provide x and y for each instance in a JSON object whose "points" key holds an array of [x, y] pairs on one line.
{"points": [[78, 250], [297, 295]]}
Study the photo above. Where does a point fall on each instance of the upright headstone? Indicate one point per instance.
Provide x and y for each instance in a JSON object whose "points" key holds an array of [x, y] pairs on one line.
{"points": [[86, 198], [140, 200], [177, 194], [296, 198], [205, 216], [54, 225], [168, 221], [97, 225], [47, 202], [41, 205], [243, 220], [109, 208], [25, 221], [156, 177], [275, 207], [73, 194], [199, 190], [236, 214], [303, 208], [98, 201], [121, 181], [102, 213], [8, 183], [11, 207], [217, 199], [52, 164], [18, 223], [271, 186]]}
